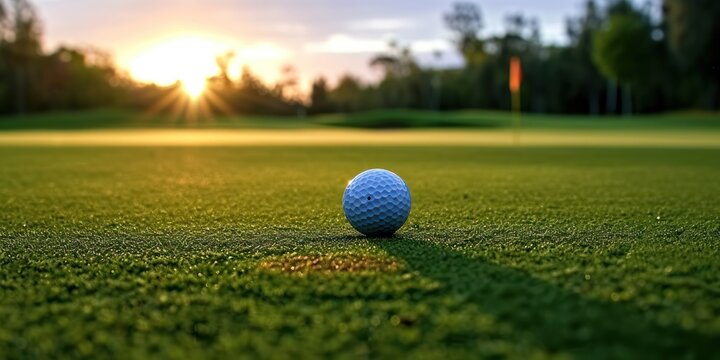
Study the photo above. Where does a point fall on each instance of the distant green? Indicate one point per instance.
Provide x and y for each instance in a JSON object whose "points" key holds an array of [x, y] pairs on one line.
{"points": [[380, 119]]}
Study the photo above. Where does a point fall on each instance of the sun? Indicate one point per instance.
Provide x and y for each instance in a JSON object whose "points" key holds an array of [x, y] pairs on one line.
{"points": [[193, 86], [189, 60]]}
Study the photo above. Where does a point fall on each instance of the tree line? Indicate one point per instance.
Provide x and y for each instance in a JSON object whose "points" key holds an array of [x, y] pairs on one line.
{"points": [[619, 58]]}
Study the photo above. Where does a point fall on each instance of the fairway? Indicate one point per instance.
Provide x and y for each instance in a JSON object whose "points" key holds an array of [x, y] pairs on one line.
{"points": [[207, 252]]}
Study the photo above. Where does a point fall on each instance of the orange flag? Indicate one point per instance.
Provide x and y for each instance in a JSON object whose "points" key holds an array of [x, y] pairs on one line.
{"points": [[515, 74]]}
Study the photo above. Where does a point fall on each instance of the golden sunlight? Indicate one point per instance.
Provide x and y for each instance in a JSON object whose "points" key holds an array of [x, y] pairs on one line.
{"points": [[189, 60], [193, 87]]}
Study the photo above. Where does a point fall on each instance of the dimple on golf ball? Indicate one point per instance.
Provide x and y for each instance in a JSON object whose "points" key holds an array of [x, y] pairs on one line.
{"points": [[377, 202]]}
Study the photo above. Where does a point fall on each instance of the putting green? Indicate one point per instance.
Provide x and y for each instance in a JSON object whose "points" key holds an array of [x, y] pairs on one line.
{"points": [[686, 138]]}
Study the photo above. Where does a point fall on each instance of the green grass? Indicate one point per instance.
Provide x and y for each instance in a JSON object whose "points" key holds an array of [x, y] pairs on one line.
{"points": [[130, 119], [232, 252], [381, 119], [483, 119]]}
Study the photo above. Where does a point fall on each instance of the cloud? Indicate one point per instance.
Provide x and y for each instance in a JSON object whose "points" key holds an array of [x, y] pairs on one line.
{"points": [[262, 51], [432, 45], [389, 24], [346, 44], [290, 28]]}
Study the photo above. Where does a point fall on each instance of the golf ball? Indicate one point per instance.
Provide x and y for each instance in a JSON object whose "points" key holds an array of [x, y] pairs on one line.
{"points": [[376, 202]]}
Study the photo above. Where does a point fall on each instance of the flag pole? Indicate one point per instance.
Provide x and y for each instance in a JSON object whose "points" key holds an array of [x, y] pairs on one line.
{"points": [[516, 117], [514, 84]]}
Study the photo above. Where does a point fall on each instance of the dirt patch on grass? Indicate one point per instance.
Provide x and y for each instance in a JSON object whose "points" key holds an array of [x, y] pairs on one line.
{"points": [[330, 263]]}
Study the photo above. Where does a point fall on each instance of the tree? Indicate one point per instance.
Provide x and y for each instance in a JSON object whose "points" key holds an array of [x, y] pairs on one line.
{"points": [[254, 97], [624, 50], [694, 37], [396, 62], [287, 85], [20, 47], [465, 21], [3, 20], [223, 62], [319, 97], [347, 94], [402, 78], [4, 78], [581, 32], [75, 78]]}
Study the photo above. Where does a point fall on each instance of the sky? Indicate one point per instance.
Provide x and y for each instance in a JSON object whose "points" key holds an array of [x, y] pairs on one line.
{"points": [[318, 37]]}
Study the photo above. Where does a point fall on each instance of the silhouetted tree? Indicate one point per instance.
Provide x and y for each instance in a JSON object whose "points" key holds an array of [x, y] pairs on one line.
{"points": [[223, 62], [624, 50], [694, 37], [254, 97], [347, 94], [465, 21], [669, 61], [581, 32], [320, 98], [404, 82], [287, 85], [20, 48], [74, 78]]}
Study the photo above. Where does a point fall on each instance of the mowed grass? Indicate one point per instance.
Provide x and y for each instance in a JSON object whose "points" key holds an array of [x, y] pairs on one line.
{"points": [[244, 252]]}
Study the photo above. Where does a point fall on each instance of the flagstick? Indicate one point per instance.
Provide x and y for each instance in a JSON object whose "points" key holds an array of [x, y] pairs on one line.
{"points": [[515, 84], [516, 116]]}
